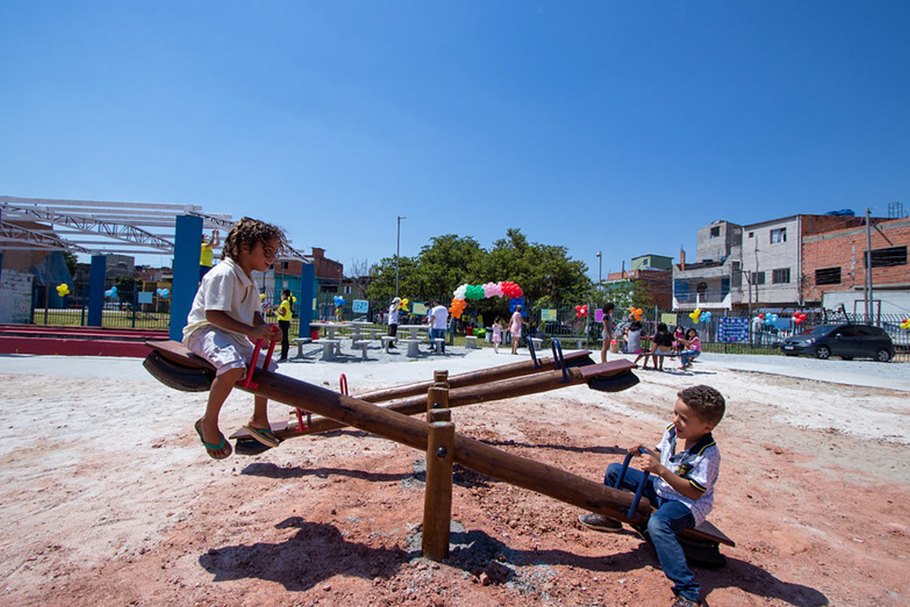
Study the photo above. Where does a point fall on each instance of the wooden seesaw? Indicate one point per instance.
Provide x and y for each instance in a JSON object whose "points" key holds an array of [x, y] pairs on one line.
{"points": [[172, 364]]}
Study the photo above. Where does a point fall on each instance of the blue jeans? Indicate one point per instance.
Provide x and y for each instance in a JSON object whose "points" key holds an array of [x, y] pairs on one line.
{"points": [[439, 334], [670, 518], [688, 356]]}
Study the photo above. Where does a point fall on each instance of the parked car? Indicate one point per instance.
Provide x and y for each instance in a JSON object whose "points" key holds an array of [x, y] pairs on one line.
{"points": [[846, 340]]}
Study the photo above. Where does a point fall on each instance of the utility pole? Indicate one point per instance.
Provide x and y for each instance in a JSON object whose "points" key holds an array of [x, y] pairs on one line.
{"points": [[600, 265], [867, 282], [398, 253]]}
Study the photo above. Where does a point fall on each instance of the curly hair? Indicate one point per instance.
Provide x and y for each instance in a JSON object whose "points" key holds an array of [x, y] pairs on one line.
{"points": [[247, 232], [705, 401]]}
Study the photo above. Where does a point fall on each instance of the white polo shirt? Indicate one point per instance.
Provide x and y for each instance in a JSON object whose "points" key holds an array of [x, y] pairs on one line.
{"points": [[699, 465], [228, 288]]}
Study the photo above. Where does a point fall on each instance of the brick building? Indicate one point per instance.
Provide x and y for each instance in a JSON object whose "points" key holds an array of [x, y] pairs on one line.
{"points": [[834, 267]]}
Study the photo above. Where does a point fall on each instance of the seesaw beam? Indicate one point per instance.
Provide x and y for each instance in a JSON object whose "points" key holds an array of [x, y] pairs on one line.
{"points": [[472, 395], [490, 461], [495, 463], [480, 376]]}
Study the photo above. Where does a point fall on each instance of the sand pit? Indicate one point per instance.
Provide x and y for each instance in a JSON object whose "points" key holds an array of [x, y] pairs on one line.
{"points": [[109, 500]]}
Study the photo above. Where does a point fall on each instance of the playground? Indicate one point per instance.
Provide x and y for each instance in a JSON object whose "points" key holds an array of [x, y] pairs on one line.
{"points": [[110, 500]]}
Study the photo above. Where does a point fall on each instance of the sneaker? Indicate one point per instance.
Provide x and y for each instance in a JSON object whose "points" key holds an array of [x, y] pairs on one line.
{"points": [[684, 602], [599, 522]]}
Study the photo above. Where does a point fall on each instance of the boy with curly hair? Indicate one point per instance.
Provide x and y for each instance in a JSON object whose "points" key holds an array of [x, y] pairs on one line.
{"points": [[681, 485], [226, 320]]}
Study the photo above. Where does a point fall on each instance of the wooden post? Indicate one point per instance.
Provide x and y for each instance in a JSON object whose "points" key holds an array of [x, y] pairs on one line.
{"points": [[437, 398], [441, 378], [437, 505]]}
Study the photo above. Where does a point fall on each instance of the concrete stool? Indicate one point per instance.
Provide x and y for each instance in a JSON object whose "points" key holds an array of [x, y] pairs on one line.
{"points": [[300, 342], [470, 342], [538, 343], [387, 341], [329, 347], [413, 347], [363, 345]]}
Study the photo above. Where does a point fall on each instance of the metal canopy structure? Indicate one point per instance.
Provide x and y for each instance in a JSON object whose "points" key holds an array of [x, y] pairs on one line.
{"points": [[97, 228]]}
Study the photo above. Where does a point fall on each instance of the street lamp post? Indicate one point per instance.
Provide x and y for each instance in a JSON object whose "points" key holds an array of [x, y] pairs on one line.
{"points": [[397, 253], [600, 265]]}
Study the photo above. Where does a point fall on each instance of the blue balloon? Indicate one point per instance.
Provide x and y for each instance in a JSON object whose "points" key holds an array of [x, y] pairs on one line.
{"points": [[515, 302]]}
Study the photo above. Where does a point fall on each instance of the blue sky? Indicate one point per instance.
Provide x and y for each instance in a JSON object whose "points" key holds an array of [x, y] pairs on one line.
{"points": [[596, 125]]}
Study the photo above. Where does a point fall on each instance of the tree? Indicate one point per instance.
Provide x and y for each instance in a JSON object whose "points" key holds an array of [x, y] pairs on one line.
{"points": [[382, 279], [71, 262], [359, 272], [447, 262]]}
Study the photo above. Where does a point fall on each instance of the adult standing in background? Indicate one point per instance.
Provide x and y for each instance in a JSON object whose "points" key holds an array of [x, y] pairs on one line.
{"points": [[439, 320], [608, 329], [515, 327], [393, 319], [284, 323], [207, 253]]}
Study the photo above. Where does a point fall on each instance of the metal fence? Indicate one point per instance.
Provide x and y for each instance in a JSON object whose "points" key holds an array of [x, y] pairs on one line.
{"points": [[151, 310]]}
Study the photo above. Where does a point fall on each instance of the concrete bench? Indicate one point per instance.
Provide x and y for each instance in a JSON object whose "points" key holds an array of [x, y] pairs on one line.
{"points": [[387, 341], [538, 343], [413, 347], [437, 344], [300, 342], [329, 348], [579, 340], [470, 342]]}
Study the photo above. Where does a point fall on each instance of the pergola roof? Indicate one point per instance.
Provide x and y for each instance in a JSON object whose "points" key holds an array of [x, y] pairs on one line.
{"points": [[92, 227]]}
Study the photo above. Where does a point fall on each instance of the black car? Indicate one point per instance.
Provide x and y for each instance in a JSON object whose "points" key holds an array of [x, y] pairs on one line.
{"points": [[847, 341]]}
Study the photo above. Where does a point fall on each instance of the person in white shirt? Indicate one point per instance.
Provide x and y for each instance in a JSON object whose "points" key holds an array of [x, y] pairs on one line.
{"points": [[439, 320], [393, 319]]}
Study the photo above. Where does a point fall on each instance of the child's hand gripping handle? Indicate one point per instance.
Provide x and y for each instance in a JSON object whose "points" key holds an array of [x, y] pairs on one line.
{"points": [[248, 380]]}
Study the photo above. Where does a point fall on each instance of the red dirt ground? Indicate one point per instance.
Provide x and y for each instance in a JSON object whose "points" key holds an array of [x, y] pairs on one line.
{"points": [[109, 501]]}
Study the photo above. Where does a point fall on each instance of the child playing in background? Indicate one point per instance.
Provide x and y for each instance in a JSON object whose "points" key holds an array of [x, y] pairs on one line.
{"points": [[225, 321], [692, 345], [608, 330], [681, 485], [633, 345], [497, 334], [678, 334]]}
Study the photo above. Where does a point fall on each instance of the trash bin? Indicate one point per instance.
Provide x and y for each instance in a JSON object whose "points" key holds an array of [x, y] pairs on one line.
{"points": [[314, 332], [614, 347]]}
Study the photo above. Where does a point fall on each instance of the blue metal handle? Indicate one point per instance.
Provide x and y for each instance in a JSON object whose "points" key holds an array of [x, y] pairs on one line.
{"points": [[641, 485]]}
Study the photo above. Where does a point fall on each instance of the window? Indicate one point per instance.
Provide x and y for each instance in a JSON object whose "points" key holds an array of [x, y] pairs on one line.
{"points": [[758, 278], [751, 234], [827, 276], [702, 288], [779, 235], [284, 265], [780, 276], [715, 232], [736, 272], [886, 258]]}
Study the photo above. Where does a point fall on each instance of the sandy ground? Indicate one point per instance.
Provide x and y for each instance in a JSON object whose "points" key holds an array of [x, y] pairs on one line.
{"points": [[108, 499]]}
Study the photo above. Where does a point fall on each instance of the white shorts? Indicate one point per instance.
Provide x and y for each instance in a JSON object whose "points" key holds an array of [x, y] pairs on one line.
{"points": [[223, 350]]}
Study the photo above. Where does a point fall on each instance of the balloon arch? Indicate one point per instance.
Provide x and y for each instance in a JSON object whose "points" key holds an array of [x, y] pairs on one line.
{"points": [[467, 292]]}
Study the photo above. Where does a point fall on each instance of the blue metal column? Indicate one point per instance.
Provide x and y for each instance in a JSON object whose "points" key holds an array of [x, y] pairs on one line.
{"points": [[307, 299], [187, 239], [96, 290]]}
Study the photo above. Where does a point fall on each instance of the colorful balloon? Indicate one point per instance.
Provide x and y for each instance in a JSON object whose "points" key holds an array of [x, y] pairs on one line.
{"points": [[695, 315], [63, 289], [906, 324]]}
